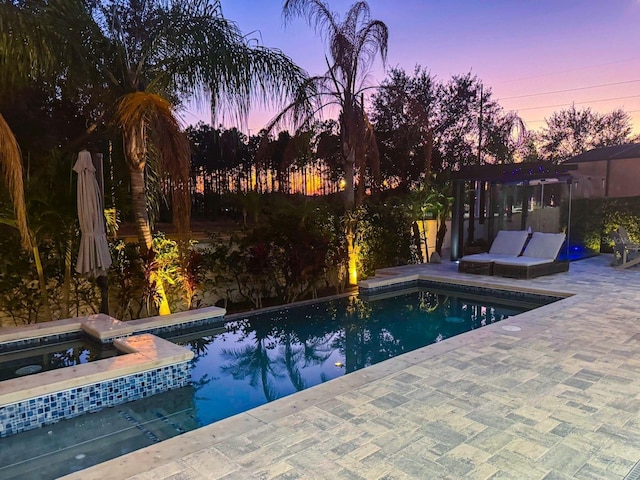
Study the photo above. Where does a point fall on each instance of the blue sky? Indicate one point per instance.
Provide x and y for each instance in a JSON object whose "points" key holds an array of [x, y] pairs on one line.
{"points": [[516, 47]]}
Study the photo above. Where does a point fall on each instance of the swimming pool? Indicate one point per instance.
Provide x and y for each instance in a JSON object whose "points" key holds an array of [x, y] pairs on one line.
{"points": [[257, 358]]}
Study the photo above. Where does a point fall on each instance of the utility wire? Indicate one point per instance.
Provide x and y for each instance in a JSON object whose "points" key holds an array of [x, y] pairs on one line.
{"points": [[544, 120], [577, 103], [569, 90]]}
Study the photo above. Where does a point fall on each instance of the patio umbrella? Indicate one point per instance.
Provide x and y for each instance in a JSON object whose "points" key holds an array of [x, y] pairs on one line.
{"points": [[93, 257]]}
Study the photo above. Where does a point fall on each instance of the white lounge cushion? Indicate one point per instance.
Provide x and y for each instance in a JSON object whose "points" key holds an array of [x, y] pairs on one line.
{"points": [[508, 242], [485, 257], [544, 245], [523, 261]]}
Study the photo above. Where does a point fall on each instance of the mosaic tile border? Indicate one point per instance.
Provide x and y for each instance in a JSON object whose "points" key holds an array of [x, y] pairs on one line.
{"points": [[497, 292], [40, 341], [51, 408]]}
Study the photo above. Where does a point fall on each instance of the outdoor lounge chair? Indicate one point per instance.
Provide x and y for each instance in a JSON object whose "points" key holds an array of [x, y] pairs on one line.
{"points": [[507, 244], [538, 258], [627, 251]]}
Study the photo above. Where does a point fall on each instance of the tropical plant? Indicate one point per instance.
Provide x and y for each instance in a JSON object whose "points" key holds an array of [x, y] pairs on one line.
{"points": [[164, 51]]}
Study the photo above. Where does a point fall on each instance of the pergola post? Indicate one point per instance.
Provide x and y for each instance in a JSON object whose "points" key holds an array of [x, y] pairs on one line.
{"points": [[457, 220], [471, 229]]}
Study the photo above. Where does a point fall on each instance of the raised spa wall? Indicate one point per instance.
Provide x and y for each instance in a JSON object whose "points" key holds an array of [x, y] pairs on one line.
{"points": [[150, 365]]}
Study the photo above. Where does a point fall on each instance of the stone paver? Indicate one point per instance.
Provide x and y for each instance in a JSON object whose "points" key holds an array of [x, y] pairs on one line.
{"points": [[558, 399]]}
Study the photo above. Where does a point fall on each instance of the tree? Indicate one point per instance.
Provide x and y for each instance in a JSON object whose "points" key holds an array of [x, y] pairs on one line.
{"points": [[403, 117], [32, 47], [424, 125], [354, 43], [205, 160], [505, 139], [573, 131], [466, 118], [328, 151]]}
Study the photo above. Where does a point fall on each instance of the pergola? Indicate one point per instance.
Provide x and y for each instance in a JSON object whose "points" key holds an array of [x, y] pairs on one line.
{"points": [[481, 185]]}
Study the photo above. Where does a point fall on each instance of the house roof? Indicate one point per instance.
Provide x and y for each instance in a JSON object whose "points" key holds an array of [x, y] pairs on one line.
{"points": [[617, 152], [513, 172]]}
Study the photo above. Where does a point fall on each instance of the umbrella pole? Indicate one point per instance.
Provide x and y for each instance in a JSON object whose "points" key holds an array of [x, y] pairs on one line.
{"points": [[103, 283]]}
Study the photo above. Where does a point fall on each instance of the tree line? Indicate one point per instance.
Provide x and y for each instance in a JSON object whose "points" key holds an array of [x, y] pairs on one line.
{"points": [[421, 126]]}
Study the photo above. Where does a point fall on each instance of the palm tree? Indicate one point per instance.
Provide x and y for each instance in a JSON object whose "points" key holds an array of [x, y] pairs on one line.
{"points": [[354, 43], [31, 44], [164, 51]]}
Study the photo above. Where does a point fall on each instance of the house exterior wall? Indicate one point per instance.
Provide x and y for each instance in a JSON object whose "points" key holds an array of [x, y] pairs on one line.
{"points": [[588, 179], [623, 178]]}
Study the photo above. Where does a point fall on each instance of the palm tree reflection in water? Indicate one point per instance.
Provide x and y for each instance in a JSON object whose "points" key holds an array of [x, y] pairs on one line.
{"points": [[269, 355]]}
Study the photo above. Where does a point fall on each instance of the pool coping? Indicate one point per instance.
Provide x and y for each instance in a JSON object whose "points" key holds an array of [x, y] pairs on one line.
{"points": [[104, 327]]}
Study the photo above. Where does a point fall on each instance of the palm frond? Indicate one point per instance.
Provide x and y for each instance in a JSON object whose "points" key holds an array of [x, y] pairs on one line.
{"points": [[317, 13], [198, 53], [11, 166], [153, 115], [24, 48], [38, 37]]}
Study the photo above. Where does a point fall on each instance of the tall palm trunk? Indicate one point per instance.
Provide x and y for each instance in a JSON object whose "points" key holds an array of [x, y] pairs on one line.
{"points": [[143, 227], [349, 191], [135, 149], [139, 203]]}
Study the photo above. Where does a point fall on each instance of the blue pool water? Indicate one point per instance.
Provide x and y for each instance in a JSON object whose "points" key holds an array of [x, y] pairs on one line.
{"points": [[270, 355], [257, 358]]}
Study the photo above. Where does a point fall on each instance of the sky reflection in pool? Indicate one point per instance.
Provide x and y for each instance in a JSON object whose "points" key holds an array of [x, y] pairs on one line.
{"points": [[266, 356]]}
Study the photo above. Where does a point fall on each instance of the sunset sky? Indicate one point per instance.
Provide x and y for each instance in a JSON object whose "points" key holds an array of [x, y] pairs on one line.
{"points": [[518, 48]]}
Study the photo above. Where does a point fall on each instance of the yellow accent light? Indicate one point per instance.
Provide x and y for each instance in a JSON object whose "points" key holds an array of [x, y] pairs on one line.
{"points": [[353, 271]]}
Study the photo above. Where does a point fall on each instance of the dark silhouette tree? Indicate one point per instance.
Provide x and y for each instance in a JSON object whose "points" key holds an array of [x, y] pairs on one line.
{"points": [[403, 116], [573, 131]]}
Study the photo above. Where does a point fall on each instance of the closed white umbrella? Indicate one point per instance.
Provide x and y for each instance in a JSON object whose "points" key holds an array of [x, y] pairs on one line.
{"points": [[94, 258]]}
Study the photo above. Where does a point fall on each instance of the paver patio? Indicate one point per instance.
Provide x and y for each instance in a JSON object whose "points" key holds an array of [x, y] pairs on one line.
{"points": [[557, 399]]}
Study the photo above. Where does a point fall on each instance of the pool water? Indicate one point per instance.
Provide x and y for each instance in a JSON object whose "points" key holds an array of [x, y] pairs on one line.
{"points": [[270, 355], [23, 362], [255, 359]]}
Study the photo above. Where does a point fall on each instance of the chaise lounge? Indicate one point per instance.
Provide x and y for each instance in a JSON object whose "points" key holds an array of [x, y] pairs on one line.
{"points": [[506, 245], [539, 258]]}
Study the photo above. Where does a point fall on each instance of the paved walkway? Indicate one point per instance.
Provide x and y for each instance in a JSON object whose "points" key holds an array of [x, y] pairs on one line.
{"points": [[557, 399]]}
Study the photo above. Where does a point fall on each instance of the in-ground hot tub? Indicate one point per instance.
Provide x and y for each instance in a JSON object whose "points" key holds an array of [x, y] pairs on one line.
{"points": [[141, 365]]}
